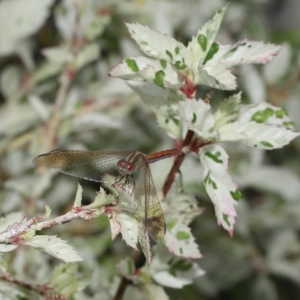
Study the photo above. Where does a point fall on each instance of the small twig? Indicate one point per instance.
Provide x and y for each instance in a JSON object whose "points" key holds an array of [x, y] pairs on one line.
{"points": [[9, 236], [125, 281], [65, 82], [41, 289], [56, 116], [122, 287]]}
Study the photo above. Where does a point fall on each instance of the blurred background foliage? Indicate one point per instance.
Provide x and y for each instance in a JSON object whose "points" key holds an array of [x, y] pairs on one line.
{"points": [[55, 93]]}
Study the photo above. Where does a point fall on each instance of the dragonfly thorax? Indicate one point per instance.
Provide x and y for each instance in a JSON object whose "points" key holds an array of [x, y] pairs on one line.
{"points": [[125, 167]]}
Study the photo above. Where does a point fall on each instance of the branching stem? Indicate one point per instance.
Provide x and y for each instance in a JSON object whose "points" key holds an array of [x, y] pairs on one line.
{"points": [[42, 289]]}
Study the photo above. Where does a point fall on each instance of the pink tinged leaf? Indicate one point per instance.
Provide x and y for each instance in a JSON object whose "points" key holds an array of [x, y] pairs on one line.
{"points": [[114, 225], [245, 52], [129, 228], [219, 185], [280, 66]]}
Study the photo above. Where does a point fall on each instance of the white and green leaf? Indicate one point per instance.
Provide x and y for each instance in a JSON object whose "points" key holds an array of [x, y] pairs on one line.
{"points": [[55, 247], [115, 226], [216, 76], [128, 228], [126, 267], [9, 291], [58, 55], [261, 136], [66, 279], [265, 113], [245, 52], [219, 186], [61, 55], [141, 68], [180, 205], [122, 216], [101, 199], [168, 119], [204, 61], [154, 95], [201, 46], [91, 23], [40, 107], [46, 70], [48, 211], [86, 55], [126, 200], [20, 19], [160, 46], [228, 110], [171, 271], [7, 247], [198, 117], [180, 241], [154, 291], [10, 80], [279, 67], [78, 197]]}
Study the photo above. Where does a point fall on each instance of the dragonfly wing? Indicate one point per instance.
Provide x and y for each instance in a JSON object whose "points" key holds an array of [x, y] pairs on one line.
{"points": [[148, 203], [90, 165]]}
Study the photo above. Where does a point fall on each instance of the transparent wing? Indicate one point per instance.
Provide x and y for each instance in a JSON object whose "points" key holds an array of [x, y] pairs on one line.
{"points": [[148, 203], [90, 165]]}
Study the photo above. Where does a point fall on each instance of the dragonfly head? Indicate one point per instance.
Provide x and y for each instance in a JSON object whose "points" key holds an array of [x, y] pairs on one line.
{"points": [[125, 167]]}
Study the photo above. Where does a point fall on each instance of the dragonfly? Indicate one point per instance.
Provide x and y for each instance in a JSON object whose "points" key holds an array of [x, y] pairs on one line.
{"points": [[125, 167]]}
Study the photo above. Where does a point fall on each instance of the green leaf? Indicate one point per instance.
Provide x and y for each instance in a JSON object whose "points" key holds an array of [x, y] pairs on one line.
{"points": [[219, 185], [126, 267], [66, 280], [78, 198], [228, 110], [55, 247]]}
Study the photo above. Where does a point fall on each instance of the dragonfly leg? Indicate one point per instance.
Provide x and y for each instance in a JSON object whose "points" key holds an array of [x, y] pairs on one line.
{"points": [[133, 185], [119, 179]]}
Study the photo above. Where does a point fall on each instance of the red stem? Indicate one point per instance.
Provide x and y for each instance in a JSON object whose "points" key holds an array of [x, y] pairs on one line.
{"points": [[177, 163]]}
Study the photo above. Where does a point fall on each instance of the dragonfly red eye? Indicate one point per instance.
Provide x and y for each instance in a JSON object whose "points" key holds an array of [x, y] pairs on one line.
{"points": [[121, 163], [129, 166], [125, 167]]}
